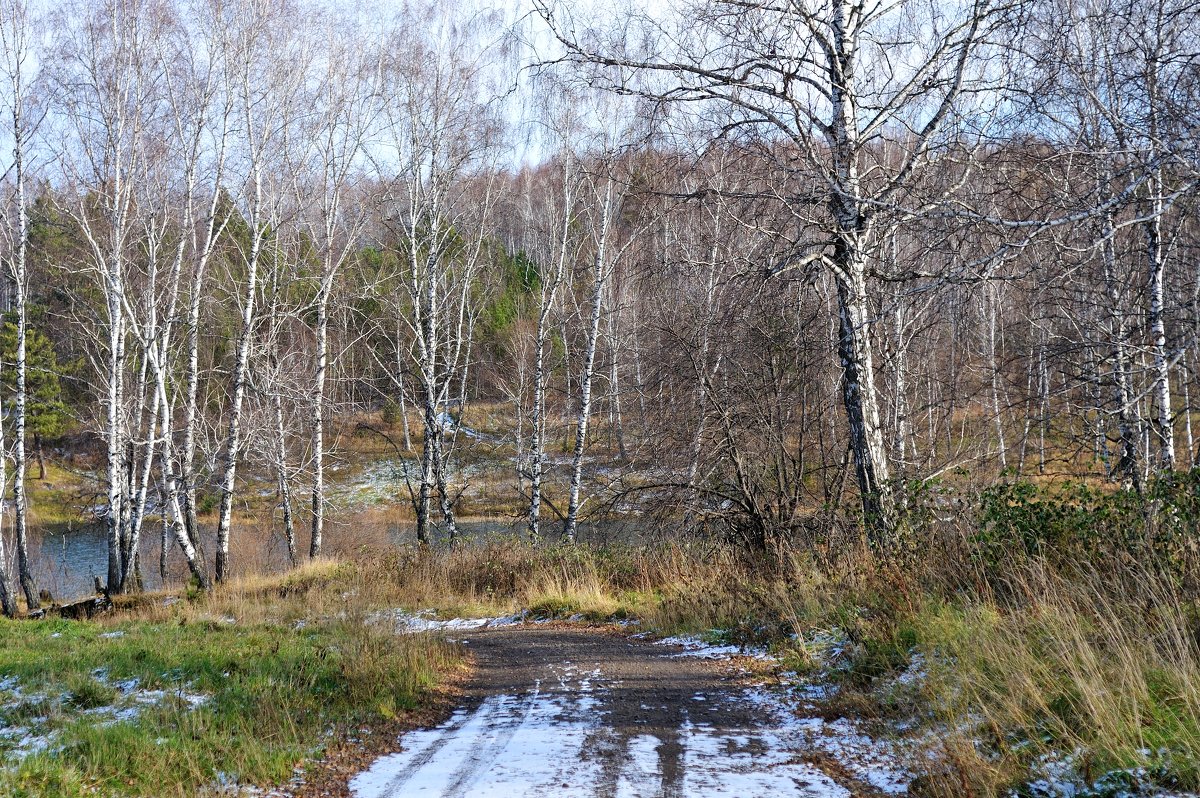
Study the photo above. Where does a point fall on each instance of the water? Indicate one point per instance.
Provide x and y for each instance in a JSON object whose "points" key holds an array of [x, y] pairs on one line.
{"points": [[66, 560], [629, 531]]}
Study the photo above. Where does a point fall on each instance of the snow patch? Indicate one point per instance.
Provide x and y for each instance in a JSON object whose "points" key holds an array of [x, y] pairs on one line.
{"points": [[1060, 777], [874, 761], [695, 647], [756, 762], [556, 742], [424, 621], [511, 745]]}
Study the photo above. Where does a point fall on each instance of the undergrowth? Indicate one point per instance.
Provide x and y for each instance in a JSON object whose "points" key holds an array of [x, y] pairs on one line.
{"points": [[268, 668]]}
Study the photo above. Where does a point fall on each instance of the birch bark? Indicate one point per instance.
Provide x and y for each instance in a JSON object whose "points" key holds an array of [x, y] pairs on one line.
{"points": [[15, 28], [546, 298], [600, 271]]}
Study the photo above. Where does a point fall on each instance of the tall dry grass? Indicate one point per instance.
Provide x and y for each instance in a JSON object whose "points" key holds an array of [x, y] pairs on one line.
{"points": [[1063, 669]]}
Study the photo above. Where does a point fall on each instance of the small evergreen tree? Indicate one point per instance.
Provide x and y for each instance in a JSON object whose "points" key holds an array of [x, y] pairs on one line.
{"points": [[48, 417]]}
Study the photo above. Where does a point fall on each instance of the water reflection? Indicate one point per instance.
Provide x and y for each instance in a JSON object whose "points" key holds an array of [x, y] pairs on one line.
{"points": [[67, 558]]}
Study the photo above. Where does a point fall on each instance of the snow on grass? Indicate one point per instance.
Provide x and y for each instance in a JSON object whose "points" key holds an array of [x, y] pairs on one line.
{"points": [[871, 760], [424, 621], [1061, 777], [30, 720], [917, 672], [696, 647]]}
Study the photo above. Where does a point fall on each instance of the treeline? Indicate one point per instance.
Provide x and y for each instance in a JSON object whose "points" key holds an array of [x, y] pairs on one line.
{"points": [[792, 260]]}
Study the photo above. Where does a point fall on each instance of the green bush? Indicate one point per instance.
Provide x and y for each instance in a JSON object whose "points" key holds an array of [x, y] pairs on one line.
{"points": [[1077, 522]]}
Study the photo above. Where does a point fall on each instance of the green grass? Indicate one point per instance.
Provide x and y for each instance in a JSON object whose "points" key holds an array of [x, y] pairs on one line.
{"points": [[274, 692], [1070, 672]]}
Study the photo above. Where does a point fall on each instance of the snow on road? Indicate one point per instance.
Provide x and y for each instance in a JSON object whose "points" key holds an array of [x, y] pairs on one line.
{"points": [[556, 739]]}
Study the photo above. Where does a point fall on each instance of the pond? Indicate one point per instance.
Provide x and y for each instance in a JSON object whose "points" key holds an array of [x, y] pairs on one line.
{"points": [[67, 558]]}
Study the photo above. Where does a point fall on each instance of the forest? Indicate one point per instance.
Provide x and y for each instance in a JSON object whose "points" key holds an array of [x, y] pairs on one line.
{"points": [[868, 319]]}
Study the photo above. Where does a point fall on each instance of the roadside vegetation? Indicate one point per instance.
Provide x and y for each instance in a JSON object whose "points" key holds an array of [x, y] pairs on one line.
{"points": [[1039, 628], [181, 696]]}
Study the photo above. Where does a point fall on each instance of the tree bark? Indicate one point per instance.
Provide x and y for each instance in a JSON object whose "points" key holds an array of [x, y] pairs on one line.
{"points": [[318, 420], [599, 275], [20, 280], [8, 597], [1163, 422], [233, 438], [1128, 419], [284, 489], [115, 444], [860, 401], [537, 443]]}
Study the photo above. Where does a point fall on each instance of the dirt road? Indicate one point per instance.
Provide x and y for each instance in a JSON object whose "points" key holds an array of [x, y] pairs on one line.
{"points": [[555, 712]]}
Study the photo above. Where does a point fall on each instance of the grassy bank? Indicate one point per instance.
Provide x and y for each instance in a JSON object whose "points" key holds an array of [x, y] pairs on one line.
{"points": [[171, 697]]}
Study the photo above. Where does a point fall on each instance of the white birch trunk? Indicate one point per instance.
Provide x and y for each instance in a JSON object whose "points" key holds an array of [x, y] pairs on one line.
{"points": [[427, 351], [1128, 419], [318, 424], [233, 437], [599, 275], [8, 596], [284, 488], [400, 392], [546, 297], [997, 408], [1163, 421], [21, 402], [859, 396]]}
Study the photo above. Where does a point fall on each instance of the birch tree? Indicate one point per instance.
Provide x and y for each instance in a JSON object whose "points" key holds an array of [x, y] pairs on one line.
{"points": [[200, 115], [109, 85], [8, 596], [273, 385], [344, 108], [16, 28], [1110, 89], [822, 82], [559, 248], [207, 80], [603, 200], [437, 129], [267, 64]]}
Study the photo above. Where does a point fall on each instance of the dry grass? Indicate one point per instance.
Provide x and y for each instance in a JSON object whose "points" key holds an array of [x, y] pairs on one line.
{"points": [[1070, 669], [670, 587]]}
